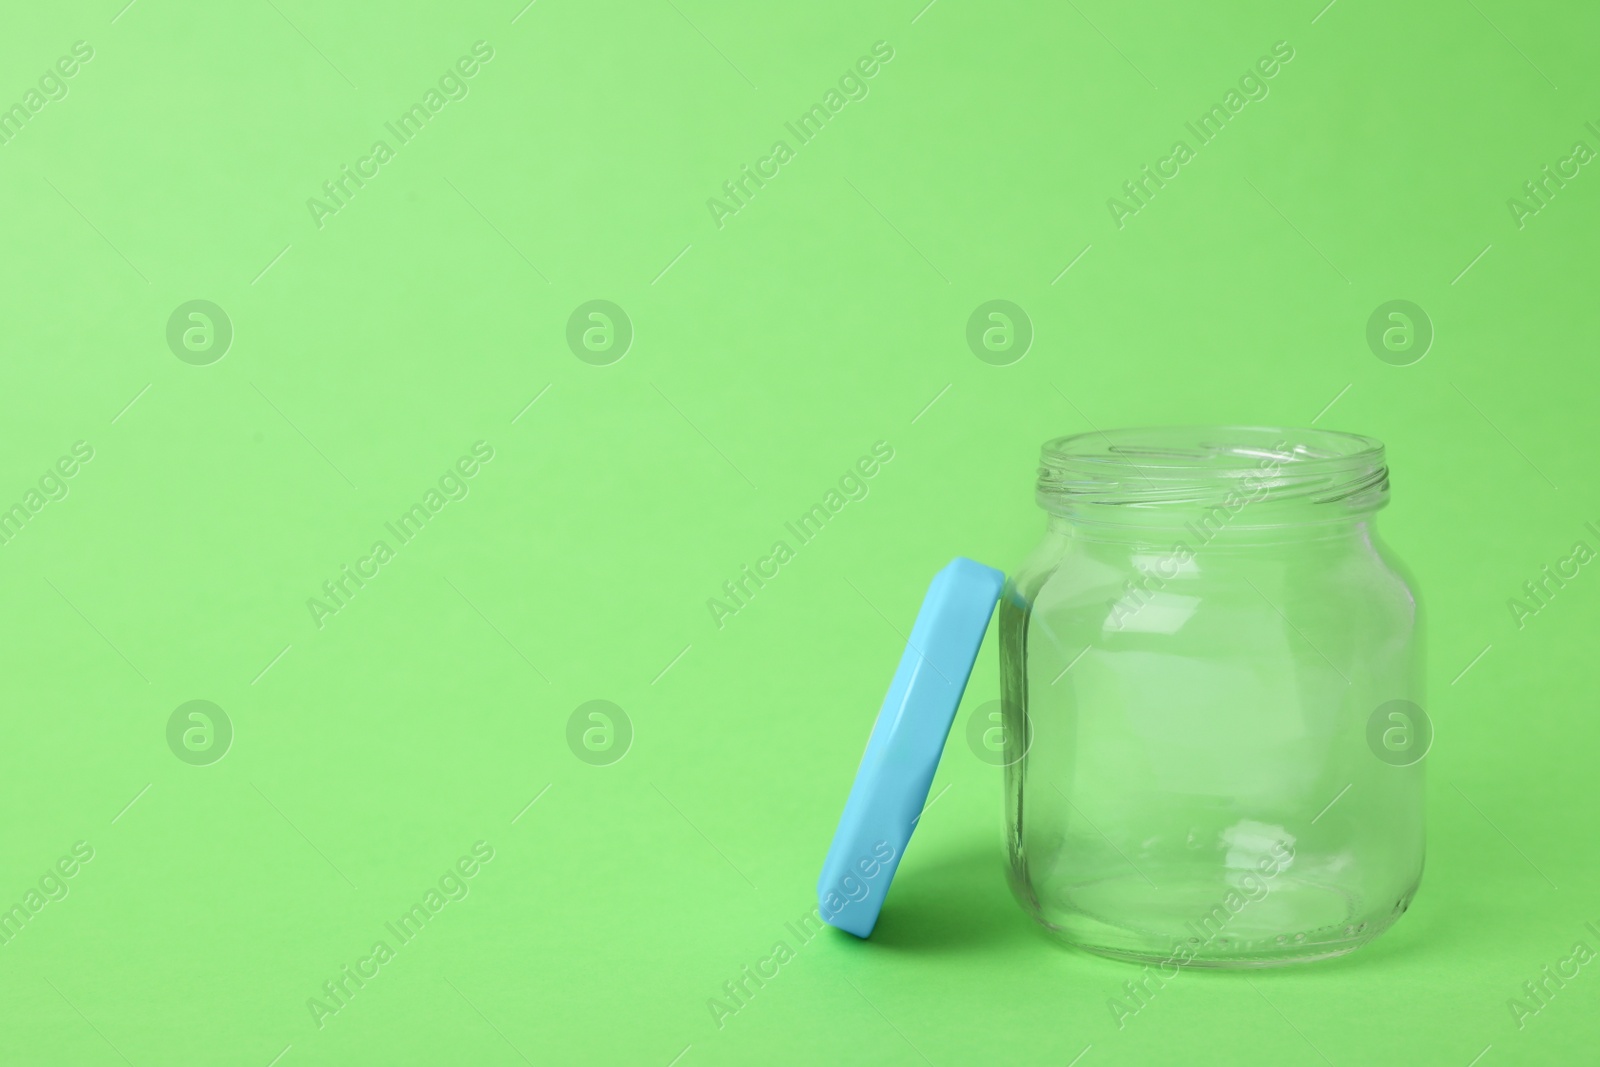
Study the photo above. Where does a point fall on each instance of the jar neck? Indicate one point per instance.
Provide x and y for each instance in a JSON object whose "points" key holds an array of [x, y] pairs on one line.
{"points": [[1213, 484], [1213, 529]]}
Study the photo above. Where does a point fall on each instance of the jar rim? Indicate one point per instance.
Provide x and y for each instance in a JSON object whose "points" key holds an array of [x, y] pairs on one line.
{"points": [[1187, 465]]}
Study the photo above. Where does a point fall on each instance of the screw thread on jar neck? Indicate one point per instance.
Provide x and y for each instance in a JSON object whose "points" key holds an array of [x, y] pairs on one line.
{"points": [[1235, 478]]}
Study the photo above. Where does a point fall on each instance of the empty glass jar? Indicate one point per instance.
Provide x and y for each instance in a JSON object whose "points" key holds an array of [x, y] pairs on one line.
{"points": [[1211, 687]]}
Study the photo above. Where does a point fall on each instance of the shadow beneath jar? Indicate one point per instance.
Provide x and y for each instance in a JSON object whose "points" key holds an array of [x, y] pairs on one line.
{"points": [[947, 901]]}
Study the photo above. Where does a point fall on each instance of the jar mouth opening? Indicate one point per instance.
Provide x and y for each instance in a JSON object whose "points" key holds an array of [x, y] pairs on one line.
{"points": [[1170, 466]]}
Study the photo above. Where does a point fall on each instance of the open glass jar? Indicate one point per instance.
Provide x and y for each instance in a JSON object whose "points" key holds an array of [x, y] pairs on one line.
{"points": [[1211, 686]]}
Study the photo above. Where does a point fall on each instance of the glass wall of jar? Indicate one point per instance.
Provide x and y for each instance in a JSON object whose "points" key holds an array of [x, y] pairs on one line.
{"points": [[1212, 692]]}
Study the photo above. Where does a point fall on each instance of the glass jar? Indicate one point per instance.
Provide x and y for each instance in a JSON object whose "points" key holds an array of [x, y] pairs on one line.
{"points": [[1211, 687]]}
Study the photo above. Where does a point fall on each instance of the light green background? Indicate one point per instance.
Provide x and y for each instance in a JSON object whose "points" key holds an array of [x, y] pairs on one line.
{"points": [[769, 354]]}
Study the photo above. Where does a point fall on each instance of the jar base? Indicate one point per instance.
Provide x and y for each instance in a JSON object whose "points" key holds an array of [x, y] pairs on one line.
{"points": [[1322, 952], [1208, 925]]}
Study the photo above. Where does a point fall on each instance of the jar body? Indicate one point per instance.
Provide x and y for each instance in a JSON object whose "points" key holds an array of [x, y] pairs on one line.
{"points": [[1209, 763]]}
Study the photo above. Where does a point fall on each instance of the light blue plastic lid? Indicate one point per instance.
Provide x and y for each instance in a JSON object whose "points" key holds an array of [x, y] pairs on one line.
{"points": [[892, 782]]}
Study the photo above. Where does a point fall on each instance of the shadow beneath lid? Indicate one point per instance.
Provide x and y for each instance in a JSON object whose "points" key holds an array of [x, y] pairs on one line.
{"points": [[949, 900]]}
